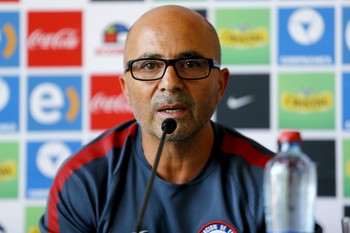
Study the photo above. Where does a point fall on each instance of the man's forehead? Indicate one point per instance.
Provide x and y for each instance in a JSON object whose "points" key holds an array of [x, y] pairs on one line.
{"points": [[179, 34], [167, 12], [167, 18], [163, 44]]}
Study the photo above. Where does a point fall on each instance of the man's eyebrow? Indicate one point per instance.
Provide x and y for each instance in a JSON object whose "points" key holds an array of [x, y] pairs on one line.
{"points": [[150, 55]]}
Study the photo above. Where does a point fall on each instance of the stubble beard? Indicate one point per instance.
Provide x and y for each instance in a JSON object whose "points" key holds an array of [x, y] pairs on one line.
{"points": [[186, 128]]}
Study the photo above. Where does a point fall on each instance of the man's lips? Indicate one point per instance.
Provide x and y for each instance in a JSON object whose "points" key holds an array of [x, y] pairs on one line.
{"points": [[171, 108]]}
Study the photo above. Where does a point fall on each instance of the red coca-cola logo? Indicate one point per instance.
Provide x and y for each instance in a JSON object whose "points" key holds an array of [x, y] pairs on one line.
{"points": [[64, 39], [108, 105], [103, 103], [54, 39]]}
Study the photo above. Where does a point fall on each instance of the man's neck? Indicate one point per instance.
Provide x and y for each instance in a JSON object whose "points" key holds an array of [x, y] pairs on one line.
{"points": [[182, 161]]}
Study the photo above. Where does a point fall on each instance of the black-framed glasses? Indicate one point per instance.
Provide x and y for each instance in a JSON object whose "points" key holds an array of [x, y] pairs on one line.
{"points": [[150, 69]]}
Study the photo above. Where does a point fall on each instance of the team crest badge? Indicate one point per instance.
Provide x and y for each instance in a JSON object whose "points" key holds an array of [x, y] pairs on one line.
{"points": [[217, 227]]}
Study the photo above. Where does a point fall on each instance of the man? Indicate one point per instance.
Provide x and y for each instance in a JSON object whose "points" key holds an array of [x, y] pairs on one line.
{"points": [[209, 177]]}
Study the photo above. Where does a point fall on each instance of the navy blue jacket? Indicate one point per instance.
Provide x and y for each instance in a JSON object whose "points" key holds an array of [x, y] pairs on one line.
{"points": [[101, 189]]}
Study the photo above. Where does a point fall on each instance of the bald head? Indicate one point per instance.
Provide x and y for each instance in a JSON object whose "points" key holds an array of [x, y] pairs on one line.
{"points": [[172, 24]]}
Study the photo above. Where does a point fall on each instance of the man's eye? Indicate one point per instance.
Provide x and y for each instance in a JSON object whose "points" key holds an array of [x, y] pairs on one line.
{"points": [[190, 64], [151, 65], [148, 65], [194, 64]]}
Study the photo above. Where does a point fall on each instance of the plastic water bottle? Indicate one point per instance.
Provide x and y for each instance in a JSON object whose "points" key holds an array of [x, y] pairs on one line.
{"points": [[290, 184]]}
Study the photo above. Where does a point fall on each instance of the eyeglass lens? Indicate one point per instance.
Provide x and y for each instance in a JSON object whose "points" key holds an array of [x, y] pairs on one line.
{"points": [[185, 68]]}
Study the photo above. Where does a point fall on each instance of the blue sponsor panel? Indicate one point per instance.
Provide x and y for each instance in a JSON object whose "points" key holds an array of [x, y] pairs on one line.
{"points": [[54, 103], [346, 101], [346, 35], [9, 39], [306, 36], [44, 159], [9, 104]]}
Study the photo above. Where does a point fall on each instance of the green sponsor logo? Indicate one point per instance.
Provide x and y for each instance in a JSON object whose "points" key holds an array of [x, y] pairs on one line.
{"points": [[346, 167], [33, 215], [244, 35], [306, 100], [8, 169]]}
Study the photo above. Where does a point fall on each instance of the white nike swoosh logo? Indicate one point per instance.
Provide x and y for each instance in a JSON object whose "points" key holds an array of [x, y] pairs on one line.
{"points": [[235, 103]]}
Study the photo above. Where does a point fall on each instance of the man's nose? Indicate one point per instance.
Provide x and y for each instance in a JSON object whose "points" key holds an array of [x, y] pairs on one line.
{"points": [[171, 81]]}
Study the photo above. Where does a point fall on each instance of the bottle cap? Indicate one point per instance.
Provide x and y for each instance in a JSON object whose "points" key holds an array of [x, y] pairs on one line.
{"points": [[289, 136]]}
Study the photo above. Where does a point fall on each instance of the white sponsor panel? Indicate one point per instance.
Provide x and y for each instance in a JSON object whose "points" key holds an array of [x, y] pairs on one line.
{"points": [[103, 56], [11, 216]]}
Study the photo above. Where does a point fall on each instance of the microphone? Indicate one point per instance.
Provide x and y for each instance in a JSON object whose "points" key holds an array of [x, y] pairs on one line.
{"points": [[168, 127]]}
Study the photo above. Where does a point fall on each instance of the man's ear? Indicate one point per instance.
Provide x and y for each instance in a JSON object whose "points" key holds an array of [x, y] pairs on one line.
{"points": [[224, 75], [123, 85]]}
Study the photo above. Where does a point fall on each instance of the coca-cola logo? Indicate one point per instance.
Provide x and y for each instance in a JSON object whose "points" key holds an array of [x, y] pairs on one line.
{"points": [[63, 39], [103, 103]]}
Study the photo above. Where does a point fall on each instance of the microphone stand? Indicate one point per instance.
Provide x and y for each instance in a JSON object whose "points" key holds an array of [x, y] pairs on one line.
{"points": [[168, 127]]}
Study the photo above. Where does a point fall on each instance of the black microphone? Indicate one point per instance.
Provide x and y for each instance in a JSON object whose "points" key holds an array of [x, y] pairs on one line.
{"points": [[168, 127]]}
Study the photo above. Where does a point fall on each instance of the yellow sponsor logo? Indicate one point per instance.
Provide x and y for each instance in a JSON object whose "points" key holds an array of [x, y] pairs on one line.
{"points": [[307, 103], [73, 104], [244, 39], [8, 170], [347, 168], [34, 230], [10, 34]]}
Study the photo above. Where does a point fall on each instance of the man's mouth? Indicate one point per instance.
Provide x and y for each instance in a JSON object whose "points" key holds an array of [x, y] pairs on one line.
{"points": [[171, 109]]}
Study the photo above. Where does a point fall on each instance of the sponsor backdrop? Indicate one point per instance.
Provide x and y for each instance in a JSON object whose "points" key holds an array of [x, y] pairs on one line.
{"points": [[60, 62]]}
